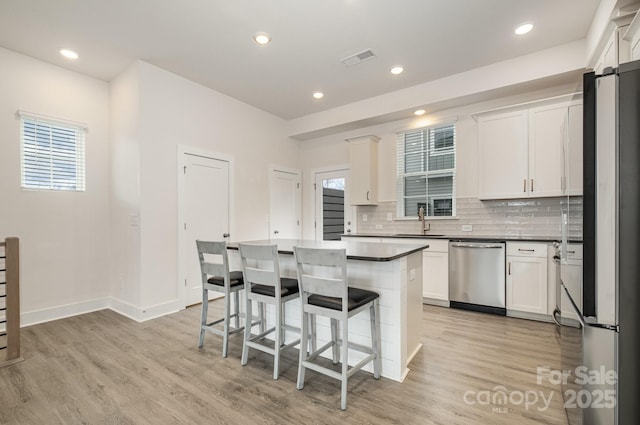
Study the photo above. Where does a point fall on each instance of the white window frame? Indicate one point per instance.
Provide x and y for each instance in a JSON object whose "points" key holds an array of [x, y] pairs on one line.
{"points": [[401, 175], [42, 161]]}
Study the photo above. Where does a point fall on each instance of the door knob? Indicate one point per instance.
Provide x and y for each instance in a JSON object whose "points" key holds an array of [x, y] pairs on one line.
{"points": [[225, 235]]}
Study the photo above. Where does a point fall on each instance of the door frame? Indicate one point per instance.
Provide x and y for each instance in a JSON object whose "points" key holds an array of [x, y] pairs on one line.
{"points": [[289, 170], [321, 170], [182, 152]]}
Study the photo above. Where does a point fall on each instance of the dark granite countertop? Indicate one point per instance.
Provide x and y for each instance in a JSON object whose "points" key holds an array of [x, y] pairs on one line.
{"points": [[355, 250], [463, 238]]}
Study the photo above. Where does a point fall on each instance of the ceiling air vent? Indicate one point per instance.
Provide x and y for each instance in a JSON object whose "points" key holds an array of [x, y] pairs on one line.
{"points": [[358, 57]]}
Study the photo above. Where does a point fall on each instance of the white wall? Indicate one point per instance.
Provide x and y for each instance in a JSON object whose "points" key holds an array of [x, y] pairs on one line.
{"points": [[64, 236], [328, 151], [124, 105], [173, 111]]}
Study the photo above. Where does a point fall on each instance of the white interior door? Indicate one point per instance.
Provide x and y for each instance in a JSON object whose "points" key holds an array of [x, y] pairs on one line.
{"points": [[334, 213], [204, 215], [284, 204]]}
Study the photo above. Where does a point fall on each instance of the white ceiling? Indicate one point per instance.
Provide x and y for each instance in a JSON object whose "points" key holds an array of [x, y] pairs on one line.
{"points": [[210, 41]]}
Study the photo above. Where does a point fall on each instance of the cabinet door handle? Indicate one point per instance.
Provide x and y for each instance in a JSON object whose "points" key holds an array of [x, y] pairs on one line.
{"points": [[532, 185], [367, 195], [526, 250], [524, 185], [509, 270]]}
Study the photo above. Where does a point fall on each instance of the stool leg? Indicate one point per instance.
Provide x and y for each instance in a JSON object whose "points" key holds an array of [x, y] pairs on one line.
{"points": [[312, 330], [374, 313], [304, 345], [277, 341], [262, 317], [247, 332], [334, 339], [237, 315], [225, 336], [345, 365], [203, 319]]}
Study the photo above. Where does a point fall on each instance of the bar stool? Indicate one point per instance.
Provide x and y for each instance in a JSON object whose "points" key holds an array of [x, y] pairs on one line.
{"points": [[322, 276], [217, 277], [264, 285]]}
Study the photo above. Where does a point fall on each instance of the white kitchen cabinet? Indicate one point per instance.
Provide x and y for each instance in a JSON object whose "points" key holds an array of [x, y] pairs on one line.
{"points": [[363, 175], [527, 278], [632, 36], [503, 155], [435, 268], [573, 152], [547, 135], [523, 153]]}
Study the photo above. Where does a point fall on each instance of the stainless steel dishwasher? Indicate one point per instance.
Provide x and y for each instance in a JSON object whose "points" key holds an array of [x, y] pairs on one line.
{"points": [[477, 276]]}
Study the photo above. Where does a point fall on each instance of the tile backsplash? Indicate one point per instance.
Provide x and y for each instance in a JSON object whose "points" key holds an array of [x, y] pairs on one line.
{"points": [[526, 218]]}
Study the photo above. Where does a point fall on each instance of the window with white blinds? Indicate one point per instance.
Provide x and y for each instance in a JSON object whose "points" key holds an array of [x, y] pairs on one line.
{"points": [[52, 155], [427, 171]]}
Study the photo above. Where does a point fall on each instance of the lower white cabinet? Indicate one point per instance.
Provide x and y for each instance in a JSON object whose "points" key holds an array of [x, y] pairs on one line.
{"points": [[435, 268], [527, 277]]}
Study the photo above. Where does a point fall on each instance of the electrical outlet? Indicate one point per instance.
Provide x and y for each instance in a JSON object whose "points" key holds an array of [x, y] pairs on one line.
{"points": [[467, 228], [389, 216], [378, 226], [364, 217]]}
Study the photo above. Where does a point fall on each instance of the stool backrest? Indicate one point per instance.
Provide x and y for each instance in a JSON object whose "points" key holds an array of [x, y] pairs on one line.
{"points": [[322, 272], [207, 266], [260, 265]]}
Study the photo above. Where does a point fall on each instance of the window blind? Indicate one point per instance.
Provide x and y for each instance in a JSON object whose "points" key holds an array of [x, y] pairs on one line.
{"points": [[52, 155], [426, 170]]}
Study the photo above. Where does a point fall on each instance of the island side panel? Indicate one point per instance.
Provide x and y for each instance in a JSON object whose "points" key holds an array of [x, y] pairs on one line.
{"points": [[414, 305]]}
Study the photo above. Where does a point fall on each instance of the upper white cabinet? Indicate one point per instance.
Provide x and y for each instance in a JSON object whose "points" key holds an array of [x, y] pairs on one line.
{"points": [[503, 155], [632, 36], [573, 152], [526, 152], [547, 135], [363, 176]]}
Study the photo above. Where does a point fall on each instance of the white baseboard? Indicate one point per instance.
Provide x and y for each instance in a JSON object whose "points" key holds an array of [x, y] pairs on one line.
{"points": [[143, 314], [433, 301], [60, 312], [530, 316], [138, 314]]}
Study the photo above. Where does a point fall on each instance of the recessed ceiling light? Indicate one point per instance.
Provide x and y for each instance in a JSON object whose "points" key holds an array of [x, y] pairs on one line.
{"points": [[318, 95], [523, 29], [69, 54], [397, 70], [420, 112], [262, 38]]}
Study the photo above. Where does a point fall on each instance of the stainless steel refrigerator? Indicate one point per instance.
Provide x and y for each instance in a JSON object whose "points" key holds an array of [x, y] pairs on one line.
{"points": [[600, 342]]}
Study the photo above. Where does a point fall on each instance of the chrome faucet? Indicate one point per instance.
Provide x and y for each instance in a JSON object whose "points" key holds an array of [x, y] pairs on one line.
{"points": [[421, 218]]}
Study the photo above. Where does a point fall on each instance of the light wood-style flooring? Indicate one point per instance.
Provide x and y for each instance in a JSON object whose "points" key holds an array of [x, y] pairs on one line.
{"points": [[102, 368]]}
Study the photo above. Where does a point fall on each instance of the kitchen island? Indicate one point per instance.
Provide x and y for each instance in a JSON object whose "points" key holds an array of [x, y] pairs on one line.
{"points": [[392, 270]]}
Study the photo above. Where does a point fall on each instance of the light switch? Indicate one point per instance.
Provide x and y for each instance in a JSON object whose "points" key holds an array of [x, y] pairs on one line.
{"points": [[412, 274]]}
